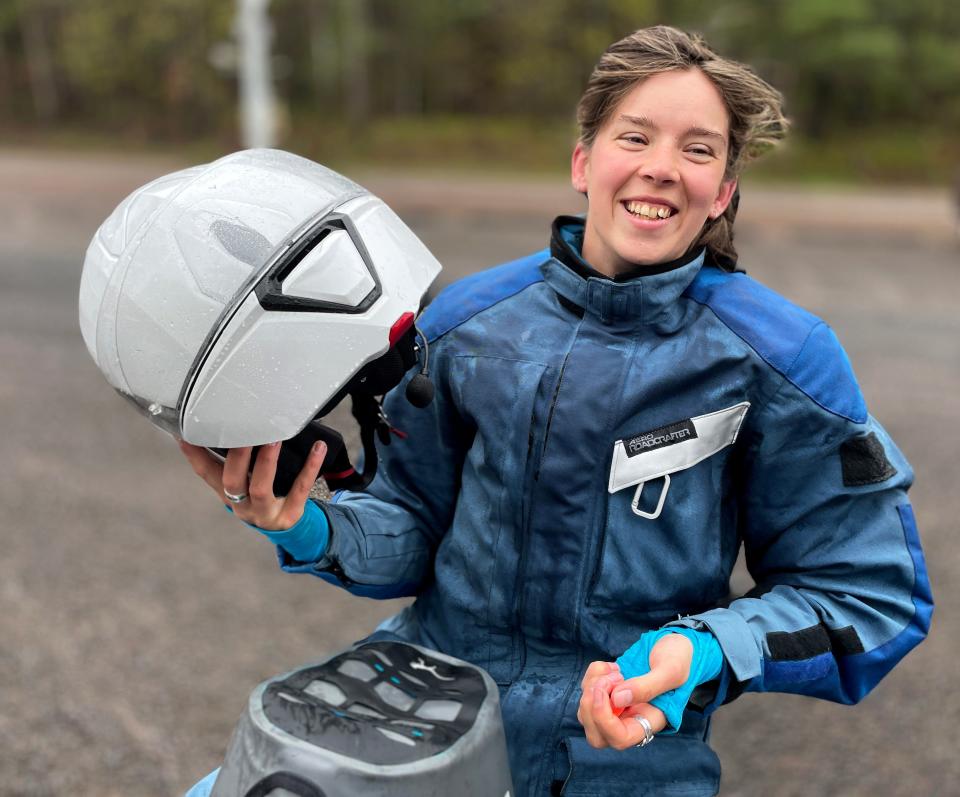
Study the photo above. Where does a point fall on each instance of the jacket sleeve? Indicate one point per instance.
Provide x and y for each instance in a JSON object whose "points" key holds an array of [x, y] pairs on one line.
{"points": [[830, 539], [382, 540]]}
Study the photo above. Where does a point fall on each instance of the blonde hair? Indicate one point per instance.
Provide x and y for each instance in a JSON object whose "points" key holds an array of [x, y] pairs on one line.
{"points": [[755, 108]]}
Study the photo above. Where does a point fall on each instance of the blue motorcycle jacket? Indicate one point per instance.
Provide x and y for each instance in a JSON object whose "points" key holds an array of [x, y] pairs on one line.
{"points": [[597, 452]]}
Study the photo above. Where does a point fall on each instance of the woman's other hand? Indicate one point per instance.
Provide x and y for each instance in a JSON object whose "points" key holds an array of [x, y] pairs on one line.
{"points": [[609, 705], [260, 507]]}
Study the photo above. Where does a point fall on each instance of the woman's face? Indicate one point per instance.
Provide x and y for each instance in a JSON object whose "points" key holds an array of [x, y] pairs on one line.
{"points": [[654, 173]]}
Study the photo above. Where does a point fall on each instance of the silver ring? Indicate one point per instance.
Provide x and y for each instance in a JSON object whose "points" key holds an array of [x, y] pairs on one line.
{"points": [[235, 499], [647, 730]]}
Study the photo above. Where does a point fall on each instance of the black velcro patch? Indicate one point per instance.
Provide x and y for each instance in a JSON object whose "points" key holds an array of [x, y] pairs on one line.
{"points": [[845, 641], [809, 642], [864, 461], [798, 645], [658, 438]]}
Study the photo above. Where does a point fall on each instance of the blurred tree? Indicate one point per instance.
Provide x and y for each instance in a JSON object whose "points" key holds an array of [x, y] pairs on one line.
{"points": [[36, 18], [9, 52], [846, 64], [324, 45], [848, 68], [145, 66], [355, 49]]}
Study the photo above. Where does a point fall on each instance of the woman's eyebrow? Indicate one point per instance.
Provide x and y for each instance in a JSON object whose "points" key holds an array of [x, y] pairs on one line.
{"points": [[703, 131], [644, 121]]}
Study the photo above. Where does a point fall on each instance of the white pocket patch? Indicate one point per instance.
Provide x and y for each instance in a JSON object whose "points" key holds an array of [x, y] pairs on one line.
{"points": [[668, 449]]}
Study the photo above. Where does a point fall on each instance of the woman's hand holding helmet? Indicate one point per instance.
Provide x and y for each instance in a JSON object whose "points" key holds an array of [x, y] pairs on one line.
{"points": [[250, 495]]}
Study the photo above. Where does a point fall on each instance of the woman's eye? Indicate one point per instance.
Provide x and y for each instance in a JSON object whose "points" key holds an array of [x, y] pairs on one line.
{"points": [[702, 151], [634, 139]]}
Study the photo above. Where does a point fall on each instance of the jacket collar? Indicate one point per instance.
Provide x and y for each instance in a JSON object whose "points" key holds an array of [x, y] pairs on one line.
{"points": [[640, 297]]}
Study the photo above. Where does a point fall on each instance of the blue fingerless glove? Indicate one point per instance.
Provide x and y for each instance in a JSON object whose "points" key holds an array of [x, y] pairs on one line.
{"points": [[306, 540], [706, 665]]}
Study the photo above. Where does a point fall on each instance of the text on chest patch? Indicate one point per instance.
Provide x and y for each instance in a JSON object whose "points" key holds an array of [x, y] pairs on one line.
{"points": [[658, 438]]}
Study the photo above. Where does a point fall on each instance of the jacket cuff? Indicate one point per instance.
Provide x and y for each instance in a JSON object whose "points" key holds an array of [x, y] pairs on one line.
{"points": [[307, 539], [328, 568], [736, 640], [709, 696], [323, 560]]}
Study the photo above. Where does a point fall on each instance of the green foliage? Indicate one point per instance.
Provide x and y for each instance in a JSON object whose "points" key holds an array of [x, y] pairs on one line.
{"points": [[139, 67], [492, 79], [488, 144], [904, 155], [851, 63]]}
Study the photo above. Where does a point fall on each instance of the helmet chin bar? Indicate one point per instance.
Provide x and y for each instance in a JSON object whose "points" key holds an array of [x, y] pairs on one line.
{"points": [[374, 379]]}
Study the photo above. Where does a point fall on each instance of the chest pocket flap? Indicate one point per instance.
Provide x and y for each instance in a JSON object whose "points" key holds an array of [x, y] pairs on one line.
{"points": [[668, 449]]}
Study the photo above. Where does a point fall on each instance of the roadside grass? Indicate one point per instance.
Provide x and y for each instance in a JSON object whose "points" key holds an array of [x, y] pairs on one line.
{"points": [[516, 146], [866, 158]]}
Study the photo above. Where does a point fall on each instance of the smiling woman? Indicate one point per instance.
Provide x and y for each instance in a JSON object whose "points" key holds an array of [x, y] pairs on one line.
{"points": [[655, 172], [614, 418], [679, 116]]}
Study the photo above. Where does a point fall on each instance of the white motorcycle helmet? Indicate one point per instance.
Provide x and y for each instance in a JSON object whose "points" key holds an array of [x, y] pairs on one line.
{"points": [[234, 303]]}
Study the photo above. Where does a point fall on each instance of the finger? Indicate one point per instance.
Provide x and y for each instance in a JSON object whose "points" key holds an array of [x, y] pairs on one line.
{"points": [[264, 472], [235, 469], [589, 702], [612, 730], [653, 715], [605, 682], [608, 683], [598, 668], [603, 675], [204, 465], [666, 674], [585, 716], [305, 480], [673, 651]]}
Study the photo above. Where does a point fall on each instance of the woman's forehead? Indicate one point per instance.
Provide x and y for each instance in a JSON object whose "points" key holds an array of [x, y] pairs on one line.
{"points": [[684, 100]]}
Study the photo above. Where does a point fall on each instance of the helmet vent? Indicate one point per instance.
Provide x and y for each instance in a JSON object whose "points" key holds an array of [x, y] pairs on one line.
{"points": [[243, 242]]}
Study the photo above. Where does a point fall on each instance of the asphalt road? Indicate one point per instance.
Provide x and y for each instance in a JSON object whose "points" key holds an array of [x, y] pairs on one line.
{"points": [[137, 615]]}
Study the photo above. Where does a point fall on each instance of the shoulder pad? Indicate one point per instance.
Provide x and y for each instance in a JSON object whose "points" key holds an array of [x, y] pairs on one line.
{"points": [[462, 300], [794, 342]]}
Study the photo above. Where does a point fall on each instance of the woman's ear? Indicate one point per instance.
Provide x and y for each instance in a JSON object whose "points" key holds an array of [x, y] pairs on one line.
{"points": [[580, 167], [724, 195]]}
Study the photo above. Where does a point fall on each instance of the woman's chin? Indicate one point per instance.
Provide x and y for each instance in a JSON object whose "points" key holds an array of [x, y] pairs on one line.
{"points": [[647, 256]]}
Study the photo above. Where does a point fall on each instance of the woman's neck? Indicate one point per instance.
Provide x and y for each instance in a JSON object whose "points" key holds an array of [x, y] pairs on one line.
{"points": [[566, 244]]}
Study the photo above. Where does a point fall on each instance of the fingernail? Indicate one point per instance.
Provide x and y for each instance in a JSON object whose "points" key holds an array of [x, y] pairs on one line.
{"points": [[318, 446], [622, 698]]}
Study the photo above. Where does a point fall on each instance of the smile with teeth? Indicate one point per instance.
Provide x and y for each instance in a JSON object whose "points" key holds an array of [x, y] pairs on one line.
{"points": [[649, 211]]}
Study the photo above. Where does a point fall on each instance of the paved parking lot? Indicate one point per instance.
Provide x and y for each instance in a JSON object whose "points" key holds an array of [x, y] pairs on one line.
{"points": [[137, 615]]}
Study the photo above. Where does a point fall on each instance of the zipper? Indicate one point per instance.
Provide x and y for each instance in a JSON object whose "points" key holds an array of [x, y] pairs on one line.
{"points": [[526, 498], [600, 545], [599, 549], [522, 564], [553, 406], [530, 434]]}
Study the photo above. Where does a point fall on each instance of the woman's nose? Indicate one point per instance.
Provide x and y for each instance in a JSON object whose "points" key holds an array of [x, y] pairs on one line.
{"points": [[659, 165]]}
